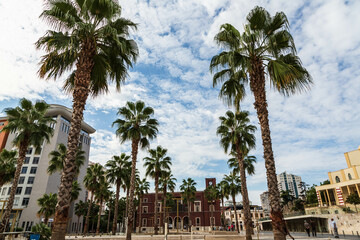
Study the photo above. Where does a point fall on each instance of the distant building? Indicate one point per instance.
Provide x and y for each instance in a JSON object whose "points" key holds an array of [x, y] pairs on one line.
{"points": [[256, 213], [289, 182], [265, 202], [202, 212], [34, 180], [3, 135]]}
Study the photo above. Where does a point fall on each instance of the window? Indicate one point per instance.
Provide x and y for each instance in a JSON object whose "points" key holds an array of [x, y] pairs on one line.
{"points": [[31, 180], [28, 190], [3, 191], [144, 222], [197, 221], [158, 221], [212, 221], [197, 206], [158, 207], [16, 201], [9, 191], [29, 151], [211, 208], [144, 209], [27, 160], [21, 180], [36, 160], [145, 200], [25, 201], [24, 169], [337, 179], [350, 177], [261, 215], [33, 170], [18, 190]]}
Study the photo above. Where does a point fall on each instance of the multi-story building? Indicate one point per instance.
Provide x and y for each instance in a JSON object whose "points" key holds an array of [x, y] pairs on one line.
{"points": [[203, 213], [265, 202], [289, 182], [34, 180], [256, 213]]}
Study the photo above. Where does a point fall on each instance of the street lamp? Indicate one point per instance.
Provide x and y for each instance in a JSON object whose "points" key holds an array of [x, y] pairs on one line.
{"points": [[177, 213]]}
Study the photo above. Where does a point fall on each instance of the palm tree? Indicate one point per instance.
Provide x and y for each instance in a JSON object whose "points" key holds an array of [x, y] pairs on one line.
{"points": [[138, 127], [94, 176], [155, 165], [75, 191], [264, 48], [90, 39], [248, 164], [32, 127], [188, 191], [166, 181], [233, 183], [116, 174], [110, 204], [47, 205], [142, 187], [223, 193], [7, 166], [211, 194], [80, 210], [102, 194], [238, 135]]}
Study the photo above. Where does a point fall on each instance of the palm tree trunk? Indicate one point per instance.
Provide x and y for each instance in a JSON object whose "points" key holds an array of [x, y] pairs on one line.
{"points": [[22, 153], [127, 202], [222, 212], [140, 211], [189, 223], [236, 217], [164, 215], [244, 193], [108, 222], [116, 208], [99, 217], [86, 228], [134, 152], [257, 85], [81, 91], [78, 222], [156, 203], [46, 221]]}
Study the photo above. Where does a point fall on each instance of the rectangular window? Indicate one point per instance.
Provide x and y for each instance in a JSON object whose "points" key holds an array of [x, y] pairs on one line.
{"points": [[212, 221], [158, 207], [3, 191], [21, 180], [18, 190], [144, 222], [23, 225], [197, 206], [16, 201], [24, 170], [25, 201], [197, 221], [33, 170], [145, 209], [211, 208], [9, 191], [31, 180], [145, 200], [28, 190], [27, 160], [36, 160], [29, 151]]}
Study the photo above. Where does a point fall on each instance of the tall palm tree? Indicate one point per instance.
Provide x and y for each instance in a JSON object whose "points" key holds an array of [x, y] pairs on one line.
{"points": [[155, 165], [223, 193], [233, 183], [238, 135], [211, 194], [265, 48], [102, 194], [137, 126], [188, 192], [80, 210], [94, 176], [47, 205], [110, 204], [116, 174], [91, 39], [248, 164], [32, 127], [7, 166], [75, 191], [166, 182], [142, 187]]}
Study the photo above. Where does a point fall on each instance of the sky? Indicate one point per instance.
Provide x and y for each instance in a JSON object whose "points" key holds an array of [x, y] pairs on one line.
{"points": [[310, 131]]}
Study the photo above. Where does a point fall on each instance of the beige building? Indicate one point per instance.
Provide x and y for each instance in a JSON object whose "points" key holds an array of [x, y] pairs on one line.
{"points": [[256, 214], [342, 182]]}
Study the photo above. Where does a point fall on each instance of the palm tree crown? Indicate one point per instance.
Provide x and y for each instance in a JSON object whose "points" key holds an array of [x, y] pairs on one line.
{"points": [[188, 189], [248, 164], [116, 168], [47, 205], [57, 159], [157, 162], [7, 166]]}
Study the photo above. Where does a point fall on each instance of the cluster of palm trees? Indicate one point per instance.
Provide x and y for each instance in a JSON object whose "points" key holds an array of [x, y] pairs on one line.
{"points": [[264, 50]]}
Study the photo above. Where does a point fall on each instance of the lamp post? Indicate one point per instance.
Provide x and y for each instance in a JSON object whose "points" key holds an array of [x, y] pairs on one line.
{"points": [[177, 213]]}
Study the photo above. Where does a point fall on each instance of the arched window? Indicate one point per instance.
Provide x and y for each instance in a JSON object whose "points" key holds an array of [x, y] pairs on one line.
{"points": [[337, 179], [350, 177]]}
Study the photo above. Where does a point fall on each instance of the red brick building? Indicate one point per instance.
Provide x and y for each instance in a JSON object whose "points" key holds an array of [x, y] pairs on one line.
{"points": [[201, 212]]}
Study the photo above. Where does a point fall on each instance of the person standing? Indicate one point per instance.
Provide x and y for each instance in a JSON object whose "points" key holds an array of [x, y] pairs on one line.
{"points": [[313, 228], [307, 228], [333, 226]]}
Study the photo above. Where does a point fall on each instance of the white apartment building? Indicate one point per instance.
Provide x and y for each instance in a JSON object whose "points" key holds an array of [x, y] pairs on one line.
{"points": [[265, 202], [289, 182], [34, 180]]}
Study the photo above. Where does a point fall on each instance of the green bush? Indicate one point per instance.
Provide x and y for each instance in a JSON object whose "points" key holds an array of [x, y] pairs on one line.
{"points": [[18, 229], [43, 230]]}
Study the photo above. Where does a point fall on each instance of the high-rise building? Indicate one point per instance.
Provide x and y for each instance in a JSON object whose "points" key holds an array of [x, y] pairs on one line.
{"points": [[265, 202], [34, 180], [289, 182]]}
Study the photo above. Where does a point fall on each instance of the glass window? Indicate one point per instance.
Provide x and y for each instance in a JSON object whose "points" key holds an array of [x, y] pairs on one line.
{"points": [[28, 190], [29, 151], [27, 160], [33, 170], [197, 206], [21, 180], [25, 201], [197, 221], [350, 177], [18, 190], [31, 180], [3, 191], [36, 160], [24, 169], [9, 190], [337, 179], [16, 201], [145, 200], [144, 222], [145, 209]]}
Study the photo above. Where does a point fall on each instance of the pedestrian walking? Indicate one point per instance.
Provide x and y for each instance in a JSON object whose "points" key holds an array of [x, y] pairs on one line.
{"points": [[334, 228], [313, 228], [307, 228]]}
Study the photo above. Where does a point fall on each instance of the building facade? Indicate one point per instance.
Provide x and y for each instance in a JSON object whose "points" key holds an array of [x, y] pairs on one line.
{"points": [[3, 135], [289, 182], [256, 213], [265, 202], [34, 180], [203, 214]]}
